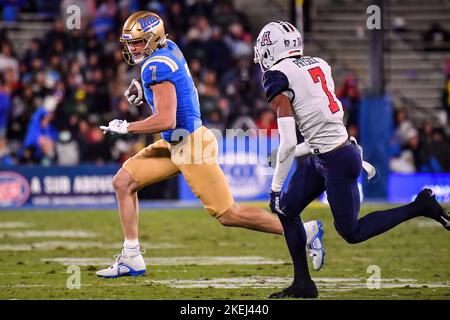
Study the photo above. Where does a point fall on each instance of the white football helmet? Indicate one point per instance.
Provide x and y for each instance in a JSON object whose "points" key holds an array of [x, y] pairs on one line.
{"points": [[276, 41]]}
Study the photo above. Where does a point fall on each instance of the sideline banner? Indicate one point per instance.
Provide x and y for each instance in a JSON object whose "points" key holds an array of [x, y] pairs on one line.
{"points": [[405, 187], [85, 185], [244, 162]]}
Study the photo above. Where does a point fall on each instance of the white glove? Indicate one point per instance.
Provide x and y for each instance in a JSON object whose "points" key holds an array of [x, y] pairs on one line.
{"points": [[116, 126], [304, 148], [301, 149], [134, 97], [368, 167]]}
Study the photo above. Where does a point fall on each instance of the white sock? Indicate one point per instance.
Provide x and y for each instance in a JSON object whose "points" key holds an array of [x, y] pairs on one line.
{"points": [[131, 247], [311, 229]]}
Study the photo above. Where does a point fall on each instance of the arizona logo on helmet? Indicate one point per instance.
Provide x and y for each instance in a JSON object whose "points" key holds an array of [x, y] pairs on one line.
{"points": [[265, 41]]}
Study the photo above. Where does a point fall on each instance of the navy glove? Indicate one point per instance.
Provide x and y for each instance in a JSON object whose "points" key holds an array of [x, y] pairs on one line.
{"points": [[275, 202]]}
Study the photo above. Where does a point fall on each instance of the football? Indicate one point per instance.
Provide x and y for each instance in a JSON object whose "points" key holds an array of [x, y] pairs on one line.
{"points": [[134, 89], [134, 93]]}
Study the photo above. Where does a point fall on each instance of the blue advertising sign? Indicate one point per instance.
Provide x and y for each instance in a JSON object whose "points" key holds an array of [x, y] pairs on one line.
{"points": [[405, 187], [57, 186], [244, 163]]}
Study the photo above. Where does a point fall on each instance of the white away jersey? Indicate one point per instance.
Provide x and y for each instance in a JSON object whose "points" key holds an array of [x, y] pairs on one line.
{"points": [[308, 83]]}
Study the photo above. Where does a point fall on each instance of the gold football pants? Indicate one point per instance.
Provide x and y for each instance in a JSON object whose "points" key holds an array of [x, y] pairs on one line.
{"points": [[196, 158]]}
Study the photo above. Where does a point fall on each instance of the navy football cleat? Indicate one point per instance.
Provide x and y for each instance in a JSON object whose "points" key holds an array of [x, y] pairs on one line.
{"points": [[306, 291], [427, 202]]}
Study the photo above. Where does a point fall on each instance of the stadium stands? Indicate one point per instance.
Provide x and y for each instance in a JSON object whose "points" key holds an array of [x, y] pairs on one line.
{"points": [[78, 76]]}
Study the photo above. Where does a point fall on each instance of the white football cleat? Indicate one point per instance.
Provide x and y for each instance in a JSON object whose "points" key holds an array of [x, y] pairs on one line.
{"points": [[124, 266], [314, 244]]}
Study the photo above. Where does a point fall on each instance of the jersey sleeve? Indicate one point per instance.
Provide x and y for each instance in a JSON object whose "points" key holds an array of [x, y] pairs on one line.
{"points": [[158, 69], [274, 83]]}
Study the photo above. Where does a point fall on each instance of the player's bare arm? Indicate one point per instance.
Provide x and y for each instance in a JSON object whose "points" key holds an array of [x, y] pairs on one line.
{"points": [[164, 118], [165, 100], [282, 106]]}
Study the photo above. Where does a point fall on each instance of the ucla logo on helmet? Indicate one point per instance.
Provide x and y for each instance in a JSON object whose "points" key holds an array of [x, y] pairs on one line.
{"points": [[14, 189], [265, 40], [148, 22]]}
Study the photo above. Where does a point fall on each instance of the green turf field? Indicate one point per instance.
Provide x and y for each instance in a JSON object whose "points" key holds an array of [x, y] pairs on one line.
{"points": [[194, 257]]}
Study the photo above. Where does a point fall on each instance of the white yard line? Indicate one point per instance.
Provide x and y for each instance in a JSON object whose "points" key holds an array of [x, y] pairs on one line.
{"points": [[19, 273], [324, 284], [172, 261], [14, 225], [25, 286], [74, 245], [48, 234]]}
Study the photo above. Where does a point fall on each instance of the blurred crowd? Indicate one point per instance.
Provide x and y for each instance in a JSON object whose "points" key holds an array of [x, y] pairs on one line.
{"points": [[55, 95], [424, 149]]}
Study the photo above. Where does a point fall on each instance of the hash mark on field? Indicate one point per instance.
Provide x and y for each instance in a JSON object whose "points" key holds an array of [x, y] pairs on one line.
{"points": [[48, 234], [172, 261], [14, 225]]}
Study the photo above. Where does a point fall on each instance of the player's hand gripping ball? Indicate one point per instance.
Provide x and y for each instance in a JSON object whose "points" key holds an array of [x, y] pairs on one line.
{"points": [[134, 93]]}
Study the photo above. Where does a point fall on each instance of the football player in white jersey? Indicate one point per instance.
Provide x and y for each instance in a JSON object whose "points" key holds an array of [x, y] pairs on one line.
{"points": [[300, 90]]}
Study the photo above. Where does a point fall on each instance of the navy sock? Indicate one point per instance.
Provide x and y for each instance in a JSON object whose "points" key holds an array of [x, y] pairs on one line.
{"points": [[345, 204], [295, 236], [378, 222]]}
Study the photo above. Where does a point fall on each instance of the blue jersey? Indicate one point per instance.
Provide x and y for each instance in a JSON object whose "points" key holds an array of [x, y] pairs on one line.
{"points": [[168, 64]]}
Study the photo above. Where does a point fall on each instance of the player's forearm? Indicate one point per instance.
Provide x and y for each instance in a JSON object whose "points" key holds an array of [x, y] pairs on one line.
{"points": [[302, 149], [281, 172], [286, 151], [153, 124]]}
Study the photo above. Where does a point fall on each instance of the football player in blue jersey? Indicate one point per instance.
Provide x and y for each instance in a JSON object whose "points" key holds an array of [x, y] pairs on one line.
{"points": [[186, 146]]}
